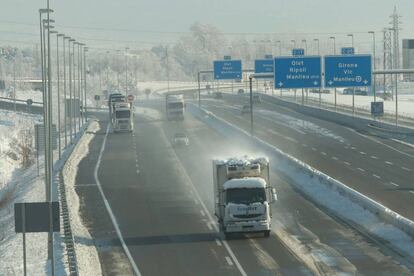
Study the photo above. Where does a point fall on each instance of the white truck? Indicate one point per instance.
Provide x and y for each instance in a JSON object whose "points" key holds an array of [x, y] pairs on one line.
{"points": [[243, 195], [175, 107], [122, 117]]}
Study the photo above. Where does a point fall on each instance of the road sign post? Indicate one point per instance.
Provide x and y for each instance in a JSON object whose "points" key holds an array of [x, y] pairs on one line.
{"points": [[35, 217]]}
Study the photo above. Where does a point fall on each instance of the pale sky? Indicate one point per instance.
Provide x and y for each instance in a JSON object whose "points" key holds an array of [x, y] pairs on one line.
{"points": [[19, 18]]}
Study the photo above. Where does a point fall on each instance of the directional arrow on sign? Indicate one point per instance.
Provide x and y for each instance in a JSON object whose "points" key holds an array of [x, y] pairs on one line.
{"points": [[280, 84], [315, 83], [365, 82], [330, 82]]}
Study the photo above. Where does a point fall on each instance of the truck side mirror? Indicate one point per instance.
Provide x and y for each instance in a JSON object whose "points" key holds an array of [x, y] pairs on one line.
{"points": [[274, 195]]}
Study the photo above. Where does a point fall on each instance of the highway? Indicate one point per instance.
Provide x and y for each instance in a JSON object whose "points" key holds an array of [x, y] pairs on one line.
{"points": [[161, 198], [379, 168]]}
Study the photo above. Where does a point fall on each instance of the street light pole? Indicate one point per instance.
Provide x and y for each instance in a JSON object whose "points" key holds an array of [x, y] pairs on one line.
{"points": [[353, 89], [374, 85], [318, 53], [334, 52], [126, 71], [280, 47], [85, 49], [58, 93], [64, 90]]}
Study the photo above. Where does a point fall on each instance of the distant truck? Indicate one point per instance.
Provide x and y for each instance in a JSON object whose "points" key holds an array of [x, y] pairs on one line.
{"points": [[122, 117], [242, 195], [174, 105]]}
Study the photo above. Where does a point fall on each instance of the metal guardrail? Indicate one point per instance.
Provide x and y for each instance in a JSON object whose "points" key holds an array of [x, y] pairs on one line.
{"points": [[67, 229], [19, 101], [360, 112]]}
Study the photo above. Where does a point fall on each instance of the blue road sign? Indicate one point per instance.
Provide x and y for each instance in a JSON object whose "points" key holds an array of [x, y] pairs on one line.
{"points": [[227, 69], [298, 52], [263, 66], [297, 72], [347, 51], [377, 108], [348, 71]]}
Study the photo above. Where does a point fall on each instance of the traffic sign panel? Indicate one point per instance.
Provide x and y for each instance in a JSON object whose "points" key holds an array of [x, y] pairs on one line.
{"points": [[297, 72], [348, 71], [263, 66], [348, 51], [377, 108], [227, 69], [298, 52]]}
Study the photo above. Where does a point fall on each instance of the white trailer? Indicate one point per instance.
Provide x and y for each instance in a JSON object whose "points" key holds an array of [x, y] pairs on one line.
{"points": [[242, 195], [174, 107], [122, 117]]}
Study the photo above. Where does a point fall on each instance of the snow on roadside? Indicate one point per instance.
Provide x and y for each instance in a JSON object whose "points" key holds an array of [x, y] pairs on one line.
{"points": [[21, 185], [87, 255]]}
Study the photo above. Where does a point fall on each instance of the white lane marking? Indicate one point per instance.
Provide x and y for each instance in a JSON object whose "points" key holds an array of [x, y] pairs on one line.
{"points": [[212, 221], [374, 157], [85, 185], [209, 226], [229, 260], [347, 163], [402, 142], [406, 169], [388, 162], [291, 139], [202, 213], [376, 176], [218, 242], [354, 148], [412, 192], [323, 153], [334, 158], [138, 171], [363, 153], [304, 145], [109, 210], [360, 169], [381, 143], [395, 184], [136, 165], [314, 149]]}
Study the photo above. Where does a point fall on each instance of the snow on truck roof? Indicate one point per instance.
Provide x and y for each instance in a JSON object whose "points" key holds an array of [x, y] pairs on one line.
{"points": [[242, 161], [246, 183]]}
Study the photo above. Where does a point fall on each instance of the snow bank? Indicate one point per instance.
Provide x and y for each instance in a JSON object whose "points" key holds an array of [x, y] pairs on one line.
{"points": [[333, 195], [87, 256]]}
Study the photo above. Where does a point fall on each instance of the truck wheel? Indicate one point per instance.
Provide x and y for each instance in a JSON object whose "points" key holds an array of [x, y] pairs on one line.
{"points": [[267, 233]]}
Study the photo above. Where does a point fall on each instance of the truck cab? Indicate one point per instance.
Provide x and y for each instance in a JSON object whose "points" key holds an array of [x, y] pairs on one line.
{"points": [[122, 117], [175, 107], [243, 195]]}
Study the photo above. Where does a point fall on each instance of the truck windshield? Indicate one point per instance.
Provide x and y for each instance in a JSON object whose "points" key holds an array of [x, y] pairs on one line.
{"points": [[122, 114], [245, 196], [175, 105]]}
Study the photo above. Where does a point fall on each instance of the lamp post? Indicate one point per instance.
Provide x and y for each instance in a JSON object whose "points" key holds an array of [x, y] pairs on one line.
{"points": [[334, 52], [306, 45], [71, 113], [280, 47], [318, 52], [85, 49], [64, 90], [353, 89], [374, 85], [80, 121], [293, 43], [126, 71]]}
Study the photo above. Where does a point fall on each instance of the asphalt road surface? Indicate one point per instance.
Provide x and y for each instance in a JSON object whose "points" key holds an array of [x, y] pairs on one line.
{"points": [[161, 197]]}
